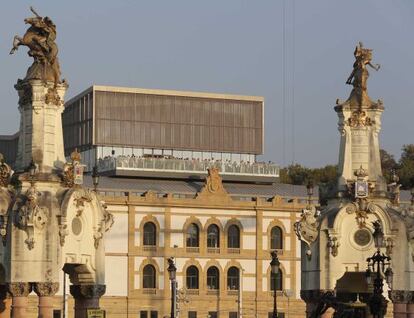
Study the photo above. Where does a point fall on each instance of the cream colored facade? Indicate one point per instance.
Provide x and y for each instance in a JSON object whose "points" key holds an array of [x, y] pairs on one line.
{"points": [[126, 256]]}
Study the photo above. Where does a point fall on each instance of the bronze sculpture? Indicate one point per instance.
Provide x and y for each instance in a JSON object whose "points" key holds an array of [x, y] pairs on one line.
{"points": [[359, 76], [40, 39]]}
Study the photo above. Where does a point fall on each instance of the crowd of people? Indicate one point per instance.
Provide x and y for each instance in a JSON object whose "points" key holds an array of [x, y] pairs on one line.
{"points": [[186, 164]]}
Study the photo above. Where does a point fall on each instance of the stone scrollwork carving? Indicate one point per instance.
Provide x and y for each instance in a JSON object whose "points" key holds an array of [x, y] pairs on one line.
{"points": [[5, 172], [29, 215], [104, 226], [333, 243], [307, 228], [359, 118], [79, 199], [5, 201]]}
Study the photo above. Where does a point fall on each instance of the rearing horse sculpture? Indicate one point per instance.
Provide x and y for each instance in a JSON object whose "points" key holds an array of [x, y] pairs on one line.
{"points": [[40, 39]]}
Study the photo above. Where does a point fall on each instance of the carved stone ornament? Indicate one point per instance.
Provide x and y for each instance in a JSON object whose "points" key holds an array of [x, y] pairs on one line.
{"points": [[69, 169], [87, 291], [79, 200], [401, 296], [20, 289], [29, 216], [307, 228], [389, 245], [5, 202], [104, 226], [45, 288], [5, 172], [333, 244], [52, 97], [213, 186], [359, 118]]}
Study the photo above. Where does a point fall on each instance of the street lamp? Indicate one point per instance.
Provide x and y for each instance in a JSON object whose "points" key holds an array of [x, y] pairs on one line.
{"points": [[274, 266], [172, 272], [378, 261], [309, 188], [32, 170], [95, 177]]}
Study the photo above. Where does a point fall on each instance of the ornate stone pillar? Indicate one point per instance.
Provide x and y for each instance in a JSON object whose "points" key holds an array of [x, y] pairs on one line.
{"points": [[45, 291], [5, 302], [19, 292], [400, 300], [86, 296]]}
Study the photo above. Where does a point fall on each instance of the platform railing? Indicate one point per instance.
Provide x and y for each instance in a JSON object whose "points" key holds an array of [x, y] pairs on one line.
{"points": [[187, 165]]}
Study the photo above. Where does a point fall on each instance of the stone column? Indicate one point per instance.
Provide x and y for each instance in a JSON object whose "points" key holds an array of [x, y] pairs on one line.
{"points": [[86, 297], [5, 302], [45, 291], [19, 293], [400, 299]]}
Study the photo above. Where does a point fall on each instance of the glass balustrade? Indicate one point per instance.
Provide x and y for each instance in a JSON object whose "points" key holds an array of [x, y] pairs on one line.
{"points": [[187, 165]]}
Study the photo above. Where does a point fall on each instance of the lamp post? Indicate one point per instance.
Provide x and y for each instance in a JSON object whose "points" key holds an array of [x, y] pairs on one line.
{"points": [[309, 188], [274, 265], [376, 266], [172, 272], [95, 177]]}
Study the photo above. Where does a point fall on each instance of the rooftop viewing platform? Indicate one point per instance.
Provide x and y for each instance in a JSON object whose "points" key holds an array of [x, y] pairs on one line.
{"points": [[187, 168]]}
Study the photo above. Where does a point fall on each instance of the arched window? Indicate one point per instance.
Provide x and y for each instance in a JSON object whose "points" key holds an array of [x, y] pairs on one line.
{"points": [[276, 281], [148, 275], [233, 237], [192, 277], [192, 236], [213, 236], [233, 278], [150, 234], [276, 238], [213, 278]]}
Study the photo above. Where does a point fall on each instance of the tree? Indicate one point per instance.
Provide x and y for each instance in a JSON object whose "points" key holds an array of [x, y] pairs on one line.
{"points": [[299, 175], [406, 167], [388, 164]]}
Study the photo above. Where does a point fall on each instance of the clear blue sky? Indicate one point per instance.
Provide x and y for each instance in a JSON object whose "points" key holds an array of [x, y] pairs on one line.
{"points": [[233, 46]]}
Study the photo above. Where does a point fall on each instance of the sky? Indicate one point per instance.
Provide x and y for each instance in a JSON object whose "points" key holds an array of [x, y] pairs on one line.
{"points": [[297, 54]]}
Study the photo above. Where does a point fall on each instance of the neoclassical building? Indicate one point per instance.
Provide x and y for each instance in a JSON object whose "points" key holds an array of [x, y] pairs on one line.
{"points": [[221, 238]]}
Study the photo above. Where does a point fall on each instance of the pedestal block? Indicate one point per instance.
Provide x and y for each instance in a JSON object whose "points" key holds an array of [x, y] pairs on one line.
{"points": [[45, 291], [86, 297], [19, 293]]}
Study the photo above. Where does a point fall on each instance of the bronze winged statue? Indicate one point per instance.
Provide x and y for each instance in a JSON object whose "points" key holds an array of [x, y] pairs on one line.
{"points": [[40, 39]]}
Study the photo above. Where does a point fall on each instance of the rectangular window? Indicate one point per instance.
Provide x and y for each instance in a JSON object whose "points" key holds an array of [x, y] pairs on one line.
{"points": [[233, 314], [212, 314], [192, 314], [143, 314], [57, 313], [154, 314]]}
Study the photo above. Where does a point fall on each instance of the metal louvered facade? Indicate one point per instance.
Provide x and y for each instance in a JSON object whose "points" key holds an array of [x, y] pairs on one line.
{"points": [[139, 118]]}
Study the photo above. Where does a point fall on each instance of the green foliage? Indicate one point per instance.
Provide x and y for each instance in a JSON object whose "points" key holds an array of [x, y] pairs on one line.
{"points": [[388, 164], [406, 167], [299, 175]]}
